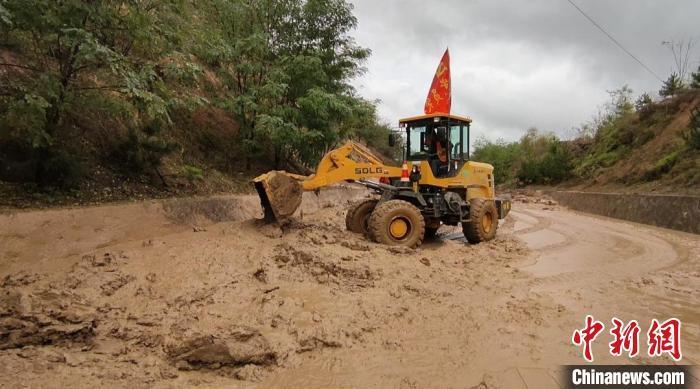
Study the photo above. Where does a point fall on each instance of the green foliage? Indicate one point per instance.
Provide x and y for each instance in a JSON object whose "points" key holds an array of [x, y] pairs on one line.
{"points": [[61, 168], [643, 103], [287, 64], [672, 86], [73, 49], [695, 79], [280, 68], [193, 173], [662, 166], [620, 101], [692, 135], [502, 155], [536, 159], [141, 152]]}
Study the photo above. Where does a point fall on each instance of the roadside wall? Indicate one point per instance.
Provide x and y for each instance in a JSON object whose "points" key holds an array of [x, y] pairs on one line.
{"points": [[669, 211]]}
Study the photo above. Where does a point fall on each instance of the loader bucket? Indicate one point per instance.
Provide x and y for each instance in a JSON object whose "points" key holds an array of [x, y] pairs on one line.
{"points": [[280, 195]]}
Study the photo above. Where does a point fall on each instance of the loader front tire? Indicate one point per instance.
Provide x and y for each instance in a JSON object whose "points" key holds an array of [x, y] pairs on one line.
{"points": [[358, 216], [483, 221], [397, 223]]}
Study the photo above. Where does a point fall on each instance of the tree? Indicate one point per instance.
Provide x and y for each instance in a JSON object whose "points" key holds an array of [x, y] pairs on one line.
{"points": [[672, 86], [695, 79], [620, 101], [288, 64], [501, 154], [281, 69], [643, 102], [76, 54], [681, 55], [692, 135]]}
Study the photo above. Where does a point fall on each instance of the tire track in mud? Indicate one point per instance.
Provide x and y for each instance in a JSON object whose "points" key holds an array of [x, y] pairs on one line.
{"points": [[593, 250]]}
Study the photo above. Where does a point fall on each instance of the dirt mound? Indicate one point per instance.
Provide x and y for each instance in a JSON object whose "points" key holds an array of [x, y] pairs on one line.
{"points": [[44, 318], [241, 346], [345, 270]]}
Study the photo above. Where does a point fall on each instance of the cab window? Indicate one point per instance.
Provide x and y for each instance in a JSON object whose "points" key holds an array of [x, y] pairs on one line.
{"points": [[417, 149], [455, 142]]}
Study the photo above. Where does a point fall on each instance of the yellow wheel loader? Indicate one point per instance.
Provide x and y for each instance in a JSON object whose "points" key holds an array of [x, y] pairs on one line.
{"points": [[437, 184]]}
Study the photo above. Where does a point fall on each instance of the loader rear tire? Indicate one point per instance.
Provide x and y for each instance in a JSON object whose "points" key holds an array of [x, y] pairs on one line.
{"points": [[358, 216], [483, 221], [397, 223]]}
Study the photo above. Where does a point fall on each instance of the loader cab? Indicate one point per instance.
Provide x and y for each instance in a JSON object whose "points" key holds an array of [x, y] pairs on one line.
{"points": [[440, 139]]}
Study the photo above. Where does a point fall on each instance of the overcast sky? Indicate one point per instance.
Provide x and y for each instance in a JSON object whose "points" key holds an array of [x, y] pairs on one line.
{"points": [[517, 64]]}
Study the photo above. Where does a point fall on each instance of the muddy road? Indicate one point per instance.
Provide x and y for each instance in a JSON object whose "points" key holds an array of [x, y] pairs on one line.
{"points": [[199, 294]]}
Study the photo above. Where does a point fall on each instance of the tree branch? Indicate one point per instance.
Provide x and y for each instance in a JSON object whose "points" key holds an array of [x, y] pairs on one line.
{"points": [[106, 87], [12, 65]]}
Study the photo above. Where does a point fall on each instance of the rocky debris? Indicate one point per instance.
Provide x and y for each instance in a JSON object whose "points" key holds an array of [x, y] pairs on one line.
{"points": [[400, 250], [242, 346], [98, 261], [425, 261], [357, 246], [315, 338], [326, 270], [21, 278], [272, 230], [116, 283], [251, 372], [260, 275], [530, 197], [197, 298], [45, 318]]}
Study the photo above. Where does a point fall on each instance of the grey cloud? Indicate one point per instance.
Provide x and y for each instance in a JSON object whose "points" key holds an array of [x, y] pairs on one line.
{"points": [[516, 64]]}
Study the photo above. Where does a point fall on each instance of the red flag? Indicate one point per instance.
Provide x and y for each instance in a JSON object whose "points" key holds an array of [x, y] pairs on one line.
{"points": [[439, 98]]}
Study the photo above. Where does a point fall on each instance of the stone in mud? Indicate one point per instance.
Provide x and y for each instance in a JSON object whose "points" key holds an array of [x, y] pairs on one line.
{"points": [[110, 287], [355, 246], [251, 373], [21, 278], [241, 347], [40, 320], [273, 231], [315, 339], [99, 261]]}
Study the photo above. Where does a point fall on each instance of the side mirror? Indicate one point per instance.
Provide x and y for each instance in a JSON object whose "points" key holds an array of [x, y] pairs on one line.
{"points": [[392, 139]]}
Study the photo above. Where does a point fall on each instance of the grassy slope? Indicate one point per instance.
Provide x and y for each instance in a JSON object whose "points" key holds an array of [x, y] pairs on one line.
{"points": [[644, 154]]}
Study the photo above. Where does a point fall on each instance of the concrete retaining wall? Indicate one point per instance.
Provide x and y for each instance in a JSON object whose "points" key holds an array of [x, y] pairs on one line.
{"points": [[670, 211]]}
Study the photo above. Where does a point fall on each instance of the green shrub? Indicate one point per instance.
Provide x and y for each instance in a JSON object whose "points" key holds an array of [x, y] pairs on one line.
{"points": [[692, 135], [139, 152], [60, 168], [502, 155], [193, 173], [536, 159], [662, 166]]}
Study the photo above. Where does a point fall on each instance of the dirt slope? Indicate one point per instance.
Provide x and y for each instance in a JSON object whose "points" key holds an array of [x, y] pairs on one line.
{"points": [[661, 164], [231, 304]]}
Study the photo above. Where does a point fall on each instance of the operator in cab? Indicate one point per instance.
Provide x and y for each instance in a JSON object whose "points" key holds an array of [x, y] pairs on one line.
{"points": [[438, 153]]}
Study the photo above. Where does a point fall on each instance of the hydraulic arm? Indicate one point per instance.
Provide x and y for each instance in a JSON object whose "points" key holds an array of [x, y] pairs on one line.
{"points": [[281, 192]]}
